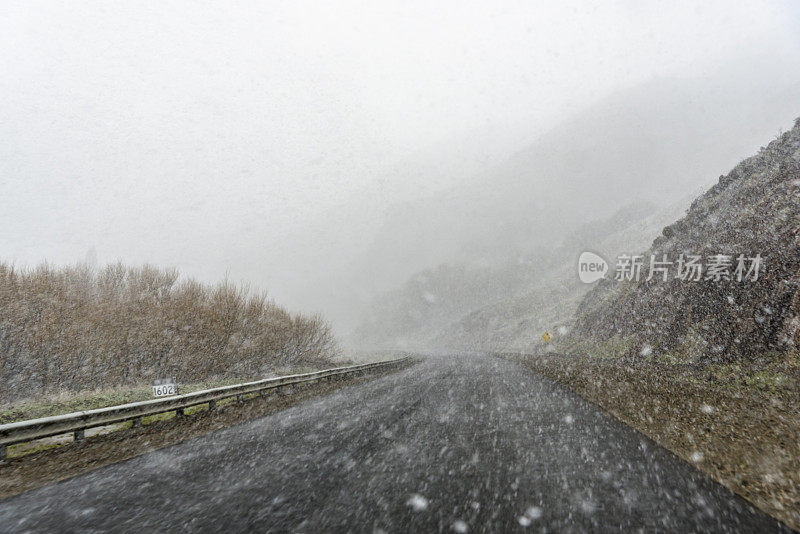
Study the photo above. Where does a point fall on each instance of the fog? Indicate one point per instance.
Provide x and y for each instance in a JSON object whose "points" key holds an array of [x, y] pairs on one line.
{"points": [[325, 153]]}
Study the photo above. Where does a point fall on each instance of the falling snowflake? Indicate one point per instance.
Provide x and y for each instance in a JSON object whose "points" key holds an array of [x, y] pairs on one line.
{"points": [[418, 503], [534, 512], [647, 350], [707, 409], [460, 526], [569, 419], [697, 456]]}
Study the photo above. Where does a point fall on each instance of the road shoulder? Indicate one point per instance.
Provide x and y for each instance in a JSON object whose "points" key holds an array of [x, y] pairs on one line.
{"points": [[746, 441]]}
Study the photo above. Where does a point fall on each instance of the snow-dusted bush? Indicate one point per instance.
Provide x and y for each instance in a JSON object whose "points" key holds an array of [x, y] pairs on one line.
{"points": [[75, 328]]}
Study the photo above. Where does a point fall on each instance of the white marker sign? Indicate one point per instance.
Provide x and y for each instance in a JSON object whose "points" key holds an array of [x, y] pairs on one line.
{"points": [[165, 387]]}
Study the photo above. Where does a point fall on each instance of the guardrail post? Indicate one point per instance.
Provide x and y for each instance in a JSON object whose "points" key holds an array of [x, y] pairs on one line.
{"points": [[179, 412], [78, 435], [137, 422], [3, 452], [240, 398], [212, 405]]}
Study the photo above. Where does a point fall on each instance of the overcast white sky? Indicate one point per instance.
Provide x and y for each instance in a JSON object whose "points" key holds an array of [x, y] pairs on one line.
{"points": [[189, 133]]}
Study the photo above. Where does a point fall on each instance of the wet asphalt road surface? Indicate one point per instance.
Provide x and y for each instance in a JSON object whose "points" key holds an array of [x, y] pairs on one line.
{"points": [[454, 444]]}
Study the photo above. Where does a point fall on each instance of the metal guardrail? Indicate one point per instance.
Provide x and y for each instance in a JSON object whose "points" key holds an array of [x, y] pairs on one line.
{"points": [[78, 422]]}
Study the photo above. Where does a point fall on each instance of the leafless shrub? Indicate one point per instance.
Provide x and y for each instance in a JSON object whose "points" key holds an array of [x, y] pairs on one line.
{"points": [[73, 328]]}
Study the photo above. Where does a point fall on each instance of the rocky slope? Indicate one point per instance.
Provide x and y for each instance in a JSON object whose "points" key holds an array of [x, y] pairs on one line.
{"points": [[754, 209]]}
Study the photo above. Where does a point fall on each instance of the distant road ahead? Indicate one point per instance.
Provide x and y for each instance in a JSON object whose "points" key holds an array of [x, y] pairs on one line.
{"points": [[465, 443]]}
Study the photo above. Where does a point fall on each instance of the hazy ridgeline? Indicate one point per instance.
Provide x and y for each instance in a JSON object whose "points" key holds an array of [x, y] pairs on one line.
{"points": [[76, 328]]}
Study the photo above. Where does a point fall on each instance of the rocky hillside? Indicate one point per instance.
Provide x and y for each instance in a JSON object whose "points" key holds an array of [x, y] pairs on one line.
{"points": [[753, 210]]}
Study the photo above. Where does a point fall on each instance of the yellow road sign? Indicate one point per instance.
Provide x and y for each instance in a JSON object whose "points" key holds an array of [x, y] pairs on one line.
{"points": [[546, 336]]}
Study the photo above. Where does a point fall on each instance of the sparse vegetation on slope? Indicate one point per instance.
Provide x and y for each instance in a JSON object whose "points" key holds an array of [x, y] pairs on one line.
{"points": [[75, 329]]}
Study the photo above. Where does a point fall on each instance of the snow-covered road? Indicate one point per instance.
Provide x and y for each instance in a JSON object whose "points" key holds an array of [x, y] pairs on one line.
{"points": [[461, 443]]}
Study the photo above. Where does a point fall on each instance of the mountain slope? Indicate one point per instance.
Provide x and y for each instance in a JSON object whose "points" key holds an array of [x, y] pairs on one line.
{"points": [[654, 142], [507, 306], [754, 209], [517, 323]]}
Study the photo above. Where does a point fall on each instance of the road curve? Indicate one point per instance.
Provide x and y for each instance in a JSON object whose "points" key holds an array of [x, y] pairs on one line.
{"points": [[460, 443]]}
